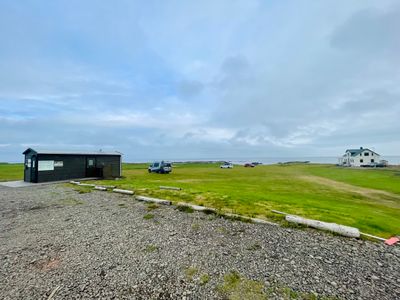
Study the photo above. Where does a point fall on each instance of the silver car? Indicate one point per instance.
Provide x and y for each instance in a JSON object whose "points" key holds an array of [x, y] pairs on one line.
{"points": [[160, 167]]}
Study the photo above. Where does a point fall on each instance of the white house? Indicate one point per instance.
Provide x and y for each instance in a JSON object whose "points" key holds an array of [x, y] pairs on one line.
{"points": [[359, 157]]}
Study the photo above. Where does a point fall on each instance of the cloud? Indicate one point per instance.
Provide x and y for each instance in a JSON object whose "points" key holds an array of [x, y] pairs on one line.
{"points": [[197, 80], [370, 32], [189, 88]]}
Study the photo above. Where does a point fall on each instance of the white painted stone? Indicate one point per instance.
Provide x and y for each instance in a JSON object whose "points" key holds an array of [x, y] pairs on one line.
{"points": [[333, 227], [153, 200], [127, 192], [170, 188], [100, 188]]}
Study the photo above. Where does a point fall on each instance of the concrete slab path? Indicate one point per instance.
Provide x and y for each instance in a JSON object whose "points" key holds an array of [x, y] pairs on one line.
{"points": [[21, 183]]}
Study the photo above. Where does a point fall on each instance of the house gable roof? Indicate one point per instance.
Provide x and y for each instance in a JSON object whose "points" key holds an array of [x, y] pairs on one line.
{"points": [[72, 152], [29, 150], [355, 152]]}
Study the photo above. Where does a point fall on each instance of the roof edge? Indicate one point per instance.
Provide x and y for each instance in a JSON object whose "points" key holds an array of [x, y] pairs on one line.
{"points": [[55, 152], [28, 150], [361, 150]]}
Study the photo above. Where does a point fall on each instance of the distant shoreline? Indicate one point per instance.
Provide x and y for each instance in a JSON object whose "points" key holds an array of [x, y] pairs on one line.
{"points": [[392, 159]]}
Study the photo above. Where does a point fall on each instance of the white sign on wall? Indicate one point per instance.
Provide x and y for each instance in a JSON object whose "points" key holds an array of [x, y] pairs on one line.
{"points": [[58, 163], [46, 165]]}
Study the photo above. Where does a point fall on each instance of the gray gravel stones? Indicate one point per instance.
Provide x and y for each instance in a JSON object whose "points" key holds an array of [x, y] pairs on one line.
{"points": [[98, 245]]}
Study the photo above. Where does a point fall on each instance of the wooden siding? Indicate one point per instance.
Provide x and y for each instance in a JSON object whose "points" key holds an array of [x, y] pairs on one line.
{"points": [[74, 166]]}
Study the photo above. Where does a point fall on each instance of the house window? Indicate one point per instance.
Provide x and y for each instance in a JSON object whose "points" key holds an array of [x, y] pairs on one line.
{"points": [[361, 160], [372, 160], [366, 153], [372, 154]]}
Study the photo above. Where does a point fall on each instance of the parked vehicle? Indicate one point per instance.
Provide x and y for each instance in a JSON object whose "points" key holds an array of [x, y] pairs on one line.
{"points": [[226, 165], [161, 167], [249, 165]]}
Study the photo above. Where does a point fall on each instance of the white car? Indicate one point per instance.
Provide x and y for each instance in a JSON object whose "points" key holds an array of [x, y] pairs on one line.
{"points": [[160, 167], [226, 166]]}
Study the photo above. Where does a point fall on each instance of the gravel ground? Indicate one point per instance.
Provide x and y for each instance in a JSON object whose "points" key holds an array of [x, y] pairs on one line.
{"points": [[101, 245]]}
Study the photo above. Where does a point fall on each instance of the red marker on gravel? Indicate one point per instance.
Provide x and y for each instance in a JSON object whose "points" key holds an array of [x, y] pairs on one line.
{"points": [[392, 241]]}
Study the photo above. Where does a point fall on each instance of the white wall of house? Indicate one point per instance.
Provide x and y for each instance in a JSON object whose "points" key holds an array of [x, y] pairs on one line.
{"points": [[365, 157], [346, 160]]}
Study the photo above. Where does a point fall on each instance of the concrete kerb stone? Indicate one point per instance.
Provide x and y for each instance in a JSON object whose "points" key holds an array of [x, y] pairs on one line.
{"points": [[86, 184], [197, 207], [252, 220], [209, 209], [173, 188], [153, 200], [126, 192], [100, 188]]}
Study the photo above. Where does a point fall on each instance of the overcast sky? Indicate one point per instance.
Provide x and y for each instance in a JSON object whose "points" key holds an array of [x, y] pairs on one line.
{"points": [[200, 79]]}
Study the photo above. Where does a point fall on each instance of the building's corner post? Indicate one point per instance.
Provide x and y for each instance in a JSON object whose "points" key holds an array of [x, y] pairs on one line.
{"points": [[120, 166], [24, 167]]}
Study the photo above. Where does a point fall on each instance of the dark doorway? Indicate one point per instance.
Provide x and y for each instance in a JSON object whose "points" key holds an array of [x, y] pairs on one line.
{"points": [[91, 167], [30, 169], [27, 169], [34, 166]]}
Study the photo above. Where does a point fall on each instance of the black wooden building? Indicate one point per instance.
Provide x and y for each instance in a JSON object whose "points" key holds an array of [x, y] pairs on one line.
{"points": [[42, 166]]}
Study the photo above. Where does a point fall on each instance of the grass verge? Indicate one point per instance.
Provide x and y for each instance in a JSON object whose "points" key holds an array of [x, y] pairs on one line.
{"points": [[368, 199]]}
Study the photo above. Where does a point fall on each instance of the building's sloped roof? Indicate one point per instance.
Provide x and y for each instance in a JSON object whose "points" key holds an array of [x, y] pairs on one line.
{"points": [[355, 152], [72, 152]]}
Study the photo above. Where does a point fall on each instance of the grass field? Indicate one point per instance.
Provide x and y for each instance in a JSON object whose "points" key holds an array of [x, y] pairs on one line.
{"points": [[10, 172], [365, 198], [368, 199]]}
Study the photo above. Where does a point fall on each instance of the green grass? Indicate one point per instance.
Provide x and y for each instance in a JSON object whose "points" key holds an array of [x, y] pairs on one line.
{"points": [[195, 226], [368, 199], [381, 179], [204, 279], [295, 189], [287, 293], [190, 272], [235, 287], [152, 206], [186, 209], [148, 216], [80, 189], [151, 248], [9, 172]]}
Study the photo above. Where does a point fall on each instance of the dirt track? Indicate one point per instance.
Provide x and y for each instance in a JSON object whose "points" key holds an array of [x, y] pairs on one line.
{"points": [[366, 192]]}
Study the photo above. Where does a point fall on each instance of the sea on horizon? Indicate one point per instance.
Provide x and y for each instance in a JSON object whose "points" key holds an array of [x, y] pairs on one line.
{"points": [[393, 160]]}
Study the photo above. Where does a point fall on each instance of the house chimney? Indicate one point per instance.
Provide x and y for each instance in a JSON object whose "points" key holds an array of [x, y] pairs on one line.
{"points": [[361, 148]]}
